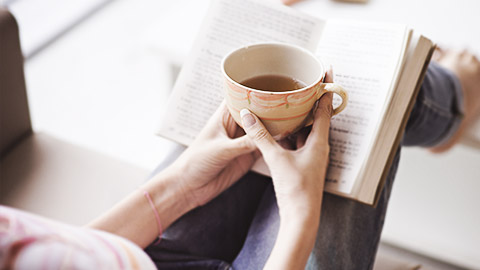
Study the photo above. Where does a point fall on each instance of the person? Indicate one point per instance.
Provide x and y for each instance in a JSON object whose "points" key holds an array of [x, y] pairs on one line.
{"points": [[211, 213], [247, 226], [243, 226], [215, 161]]}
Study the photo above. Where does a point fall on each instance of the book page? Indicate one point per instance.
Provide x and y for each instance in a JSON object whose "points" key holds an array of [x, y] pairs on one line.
{"points": [[229, 24], [366, 59]]}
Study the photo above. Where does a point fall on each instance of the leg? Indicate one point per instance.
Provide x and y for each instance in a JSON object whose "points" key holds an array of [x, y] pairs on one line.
{"points": [[466, 68], [348, 235], [438, 112], [261, 235], [210, 237], [349, 232]]}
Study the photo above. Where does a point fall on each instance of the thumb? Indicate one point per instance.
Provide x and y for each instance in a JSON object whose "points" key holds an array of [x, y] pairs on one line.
{"points": [[258, 133], [240, 146]]}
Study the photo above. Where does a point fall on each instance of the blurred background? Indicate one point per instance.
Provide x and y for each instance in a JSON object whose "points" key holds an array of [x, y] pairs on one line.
{"points": [[99, 72]]}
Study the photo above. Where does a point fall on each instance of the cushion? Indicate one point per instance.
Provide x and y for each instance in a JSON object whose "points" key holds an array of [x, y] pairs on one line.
{"points": [[62, 181]]}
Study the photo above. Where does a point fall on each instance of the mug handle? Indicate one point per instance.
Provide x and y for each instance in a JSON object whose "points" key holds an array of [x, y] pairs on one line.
{"points": [[329, 87], [334, 88]]}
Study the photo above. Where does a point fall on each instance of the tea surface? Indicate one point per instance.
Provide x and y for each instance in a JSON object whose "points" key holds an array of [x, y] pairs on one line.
{"points": [[273, 83]]}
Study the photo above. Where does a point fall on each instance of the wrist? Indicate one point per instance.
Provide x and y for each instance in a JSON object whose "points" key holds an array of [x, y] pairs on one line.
{"points": [[299, 230], [300, 207], [143, 215], [300, 217], [168, 196], [299, 227]]}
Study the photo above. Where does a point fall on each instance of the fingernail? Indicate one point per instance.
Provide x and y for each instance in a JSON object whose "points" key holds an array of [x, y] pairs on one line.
{"points": [[247, 118]]}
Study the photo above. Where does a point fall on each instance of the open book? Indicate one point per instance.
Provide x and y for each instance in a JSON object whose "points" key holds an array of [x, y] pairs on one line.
{"points": [[381, 65]]}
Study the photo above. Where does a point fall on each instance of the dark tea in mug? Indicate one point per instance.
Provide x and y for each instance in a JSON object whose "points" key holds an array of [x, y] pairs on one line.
{"points": [[273, 83]]}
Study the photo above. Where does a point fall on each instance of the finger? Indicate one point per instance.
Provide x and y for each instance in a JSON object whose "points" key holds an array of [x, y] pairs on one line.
{"points": [[212, 126], [240, 146], [221, 122], [236, 169], [321, 122], [258, 133], [233, 149], [329, 76], [229, 123], [220, 112]]}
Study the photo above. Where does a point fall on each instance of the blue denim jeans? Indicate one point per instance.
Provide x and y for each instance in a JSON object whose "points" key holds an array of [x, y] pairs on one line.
{"points": [[237, 230]]}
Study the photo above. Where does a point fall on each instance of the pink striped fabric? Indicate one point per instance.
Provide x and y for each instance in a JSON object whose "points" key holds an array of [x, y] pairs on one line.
{"points": [[32, 242]]}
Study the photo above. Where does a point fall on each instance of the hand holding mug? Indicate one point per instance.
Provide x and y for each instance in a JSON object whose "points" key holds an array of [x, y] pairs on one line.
{"points": [[298, 175], [298, 179], [218, 157]]}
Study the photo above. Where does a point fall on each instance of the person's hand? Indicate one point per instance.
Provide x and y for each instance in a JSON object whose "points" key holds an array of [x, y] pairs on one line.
{"points": [[215, 160], [298, 175]]}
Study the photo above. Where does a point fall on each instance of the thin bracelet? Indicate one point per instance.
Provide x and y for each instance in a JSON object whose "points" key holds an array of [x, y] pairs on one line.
{"points": [[157, 216]]}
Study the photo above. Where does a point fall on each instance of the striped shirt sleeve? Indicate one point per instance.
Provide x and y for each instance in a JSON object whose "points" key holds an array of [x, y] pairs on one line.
{"points": [[32, 242]]}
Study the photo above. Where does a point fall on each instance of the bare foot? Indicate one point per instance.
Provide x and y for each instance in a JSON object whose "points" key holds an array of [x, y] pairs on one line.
{"points": [[466, 66]]}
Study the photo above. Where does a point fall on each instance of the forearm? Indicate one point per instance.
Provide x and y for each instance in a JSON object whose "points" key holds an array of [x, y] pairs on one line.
{"points": [[295, 241], [134, 218]]}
